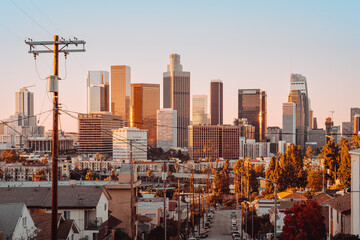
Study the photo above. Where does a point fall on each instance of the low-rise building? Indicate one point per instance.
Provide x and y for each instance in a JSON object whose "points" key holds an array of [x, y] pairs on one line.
{"points": [[339, 214]]}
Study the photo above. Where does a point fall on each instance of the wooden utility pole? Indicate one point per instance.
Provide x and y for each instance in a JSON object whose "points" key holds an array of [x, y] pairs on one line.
{"points": [[53, 87], [133, 213], [164, 183]]}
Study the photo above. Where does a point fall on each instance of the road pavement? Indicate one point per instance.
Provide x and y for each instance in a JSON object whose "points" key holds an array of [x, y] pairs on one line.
{"points": [[221, 227]]}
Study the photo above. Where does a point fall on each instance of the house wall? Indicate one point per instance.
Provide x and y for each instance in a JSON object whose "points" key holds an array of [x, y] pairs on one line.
{"points": [[148, 212], [21, 231], [102, 208], [335, 218]]}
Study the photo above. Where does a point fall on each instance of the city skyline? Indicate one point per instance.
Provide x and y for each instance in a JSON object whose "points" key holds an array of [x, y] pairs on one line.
{"points": [[304, 44]]}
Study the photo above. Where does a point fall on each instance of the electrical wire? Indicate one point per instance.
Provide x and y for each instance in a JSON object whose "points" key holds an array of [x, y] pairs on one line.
{"points": [[37, 71], [31, 18]]}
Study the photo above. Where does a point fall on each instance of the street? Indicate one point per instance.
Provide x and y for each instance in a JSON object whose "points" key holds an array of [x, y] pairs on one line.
{"points": [[221, 227]]}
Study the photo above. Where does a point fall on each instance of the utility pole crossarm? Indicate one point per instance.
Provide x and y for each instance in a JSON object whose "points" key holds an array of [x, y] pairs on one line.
{"points": [[62, 44]]}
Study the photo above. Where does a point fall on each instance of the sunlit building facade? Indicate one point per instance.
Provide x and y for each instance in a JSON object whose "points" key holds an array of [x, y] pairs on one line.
{"points": [[121, 91], [216, 102], [289, 123], [296, 97], [214, 141], [145, 102], [199, 109], [95, 132], [167, 128], [98, 91], [252, 105], [121, 144], [176, 95]]}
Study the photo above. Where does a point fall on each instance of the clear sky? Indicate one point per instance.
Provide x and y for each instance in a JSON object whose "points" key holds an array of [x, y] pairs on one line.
{"points": [[247, 44]]}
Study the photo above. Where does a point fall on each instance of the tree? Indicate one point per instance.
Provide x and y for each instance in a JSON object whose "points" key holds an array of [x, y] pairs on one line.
{"points": [[330, 153], [89, 175], [307, 159], [10, 156], [304, 221], [262, 224], [39, 175], [315, 180], [344, 172]]}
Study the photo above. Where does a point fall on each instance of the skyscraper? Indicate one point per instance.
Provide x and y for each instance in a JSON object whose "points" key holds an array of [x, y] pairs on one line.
{"points": [[95, 132], [356, 123], [298, 82], [145, 102], [24, 102], [98, 91], [120, 91], [296, 97], [353, 111], [289, 122], [199, 109], [167, 128], [121, 144], [176, 95], [252, 106], [216, 102]]}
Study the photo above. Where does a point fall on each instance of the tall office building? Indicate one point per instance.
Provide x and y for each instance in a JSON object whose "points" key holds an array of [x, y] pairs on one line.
{"points": [[329, 123], [167, 128], [216, 102], [274, 134], [121, 144], [298, 82], [353, 111], [23, 124], [145, 102], [214, 141], [346, 129], [98, 91], [199, 109], [176, 95], [95, 132], [356, 124], [252, 106], [120, 92], [24, 102], [296, 97], [289, 123], [311, 117]]}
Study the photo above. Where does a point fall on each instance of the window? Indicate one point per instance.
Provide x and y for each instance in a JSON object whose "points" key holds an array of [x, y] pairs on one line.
{"points": [[105, 206], [337, 216], [67, 215], [24, 221], [150, 215]]}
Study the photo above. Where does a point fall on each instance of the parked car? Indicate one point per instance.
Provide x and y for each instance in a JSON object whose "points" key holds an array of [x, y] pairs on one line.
{"points": [[206, 229], [203, 235]]}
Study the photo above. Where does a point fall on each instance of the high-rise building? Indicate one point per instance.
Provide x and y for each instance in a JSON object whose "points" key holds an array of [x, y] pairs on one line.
{"points": [[296, 97], [356, 124], [120, 92], [199, 109], [335, 134], [167, 128], [24, 102], [289, 123], [98, 91], [176, 95], [315, 126], [273, 134], [353, 111], [318, 137], [95, 132], [252, 106], [23, 124], [298, 82], [214, 141], [311, 119], [145, 102], [250, 148], [328, 125], [216, 102], [121, 144], [346, 129]]}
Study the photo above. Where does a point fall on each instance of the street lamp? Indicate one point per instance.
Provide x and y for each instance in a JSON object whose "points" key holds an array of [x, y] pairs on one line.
{"points": [[275, 196]]}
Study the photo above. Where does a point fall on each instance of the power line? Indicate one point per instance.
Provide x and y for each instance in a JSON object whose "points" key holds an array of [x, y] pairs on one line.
{"points": [[31, 18]]}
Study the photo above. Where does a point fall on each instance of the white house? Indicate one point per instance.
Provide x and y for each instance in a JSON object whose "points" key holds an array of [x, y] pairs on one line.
{"points": [[16, 221]]}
